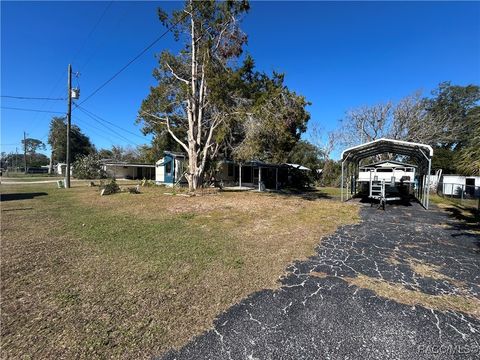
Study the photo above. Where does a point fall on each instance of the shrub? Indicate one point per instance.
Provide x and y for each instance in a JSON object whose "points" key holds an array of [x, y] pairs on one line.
{"points": [[88, 167], [110, 188]]}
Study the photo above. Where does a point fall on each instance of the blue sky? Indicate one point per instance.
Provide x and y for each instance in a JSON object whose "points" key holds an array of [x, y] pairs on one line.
{"points": [[339, 55]]}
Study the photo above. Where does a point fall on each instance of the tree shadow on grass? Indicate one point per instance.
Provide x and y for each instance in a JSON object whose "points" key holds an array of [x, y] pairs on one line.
{"points": [[467, 214], [306, 194], [21, 196]]}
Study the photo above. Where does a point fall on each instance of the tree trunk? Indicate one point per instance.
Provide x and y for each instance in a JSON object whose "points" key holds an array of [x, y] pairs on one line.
{"points": [[192, 167]]}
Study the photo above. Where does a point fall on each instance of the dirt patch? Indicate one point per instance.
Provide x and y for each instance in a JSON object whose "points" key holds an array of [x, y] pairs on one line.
{"points": [[399, 293]]}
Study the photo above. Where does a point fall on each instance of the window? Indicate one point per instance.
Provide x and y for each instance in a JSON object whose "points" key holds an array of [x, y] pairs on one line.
{"points": [[384, 170], [168, 167], [230, 170]]}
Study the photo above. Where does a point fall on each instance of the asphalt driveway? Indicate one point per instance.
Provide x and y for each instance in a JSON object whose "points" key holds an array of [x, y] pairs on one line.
{"points": [[320, 311]]}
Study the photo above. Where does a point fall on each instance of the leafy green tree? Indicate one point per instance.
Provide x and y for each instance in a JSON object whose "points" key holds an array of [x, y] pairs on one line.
{"points": [[34, 159], [468, 161], [331, 173], [105, 154], [454, 109], [33, 145], [79, 143], [306, 154], [184, 102], [273, 123]]}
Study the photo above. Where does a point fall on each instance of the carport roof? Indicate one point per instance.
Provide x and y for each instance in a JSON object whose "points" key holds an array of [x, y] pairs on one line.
{"points": [[381, 146]]}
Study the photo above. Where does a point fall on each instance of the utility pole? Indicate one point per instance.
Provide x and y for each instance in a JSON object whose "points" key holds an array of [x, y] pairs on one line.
{"points": [[25, 150], [69, 118], [16, 156]]}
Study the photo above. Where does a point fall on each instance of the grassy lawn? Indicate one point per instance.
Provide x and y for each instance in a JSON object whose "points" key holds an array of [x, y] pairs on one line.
{"points": [[466, 210], [333, 192], [130, 275]]}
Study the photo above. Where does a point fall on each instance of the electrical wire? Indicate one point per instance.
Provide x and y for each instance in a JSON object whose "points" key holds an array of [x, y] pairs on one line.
{"points": [[63, 73], [107, 127], [31, 98], [134, 59], [107, 37], [33, 110], [76, 121], [97, 128], [93, 30], [109, 122]]}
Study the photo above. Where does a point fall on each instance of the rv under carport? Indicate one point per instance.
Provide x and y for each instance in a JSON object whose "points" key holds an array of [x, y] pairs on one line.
{"points": [[420, 154]]}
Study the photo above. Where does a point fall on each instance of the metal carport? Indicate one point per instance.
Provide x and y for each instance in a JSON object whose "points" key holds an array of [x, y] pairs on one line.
{"points": [[421, 154]]}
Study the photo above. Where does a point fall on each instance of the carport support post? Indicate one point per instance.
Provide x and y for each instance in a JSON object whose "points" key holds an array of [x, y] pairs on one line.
{"points": [[259, 178], [276, 178], [341, 184], [428, 181], [240, 175]]}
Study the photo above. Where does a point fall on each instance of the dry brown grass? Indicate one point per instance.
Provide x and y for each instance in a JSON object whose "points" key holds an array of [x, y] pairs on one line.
{"points": [[426, 270], [132, 276], [399, 293]]}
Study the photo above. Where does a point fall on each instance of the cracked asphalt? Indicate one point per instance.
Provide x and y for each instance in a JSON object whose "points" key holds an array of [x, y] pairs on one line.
{"points": [[326, 317]]}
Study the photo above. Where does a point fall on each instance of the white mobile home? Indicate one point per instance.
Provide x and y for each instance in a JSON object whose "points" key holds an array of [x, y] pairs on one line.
{"points": [[459, 185], [124, 170]]}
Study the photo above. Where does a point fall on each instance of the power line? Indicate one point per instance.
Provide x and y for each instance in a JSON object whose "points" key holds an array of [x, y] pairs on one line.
{"points": [[85, 123], [109, 122], [77, 120], [107, 37], [30, 98], [135, 58], [107, 127], [33, 110], [62, 74], [93, 29]]}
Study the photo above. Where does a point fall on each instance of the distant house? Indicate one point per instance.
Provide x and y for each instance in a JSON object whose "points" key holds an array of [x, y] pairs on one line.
{"points": [[459, 185], [253, 174], [60, 168], [125, 170], [170, 170]]}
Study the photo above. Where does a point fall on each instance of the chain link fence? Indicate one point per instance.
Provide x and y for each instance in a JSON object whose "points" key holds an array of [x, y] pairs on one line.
{"points": [[466, 195]]}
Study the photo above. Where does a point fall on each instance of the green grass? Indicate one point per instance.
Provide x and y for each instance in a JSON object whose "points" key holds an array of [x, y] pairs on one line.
{"points": [[466, 210], [330, 191], [28, 176]]}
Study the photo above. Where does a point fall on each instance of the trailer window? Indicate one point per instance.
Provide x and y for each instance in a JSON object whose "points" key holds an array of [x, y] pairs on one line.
{"points": [[384, 170]]}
